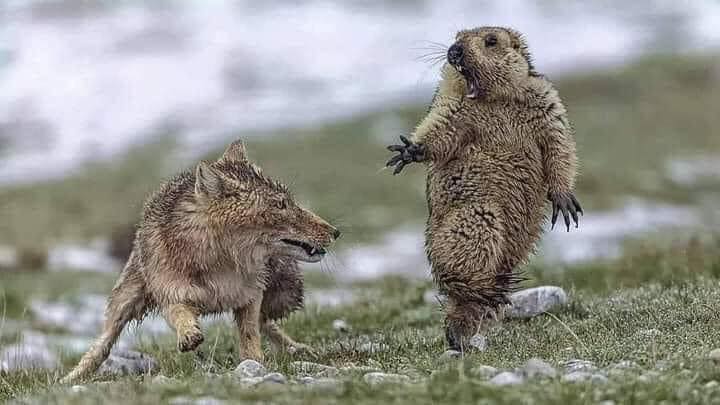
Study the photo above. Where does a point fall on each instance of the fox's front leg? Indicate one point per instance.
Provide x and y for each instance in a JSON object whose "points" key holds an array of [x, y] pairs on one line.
{"points": [[184, 320], [247, 320]]}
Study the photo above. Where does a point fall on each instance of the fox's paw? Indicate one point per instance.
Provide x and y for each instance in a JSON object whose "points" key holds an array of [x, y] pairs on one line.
{"points": [[407, 153], [190, 340], [568, 205]]}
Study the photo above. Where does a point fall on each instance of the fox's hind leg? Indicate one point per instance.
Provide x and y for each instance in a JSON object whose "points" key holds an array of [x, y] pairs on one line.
{"points": [[184, 320], [284, 294], [126, 303]]}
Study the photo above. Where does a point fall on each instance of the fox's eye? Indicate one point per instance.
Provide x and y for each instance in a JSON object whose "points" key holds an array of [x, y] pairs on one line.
{"points": [[490, 40]]}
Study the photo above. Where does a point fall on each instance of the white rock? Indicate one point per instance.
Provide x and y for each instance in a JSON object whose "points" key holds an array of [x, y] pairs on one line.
{"points": [[250, 368], [78, 388], [579, 365], [535, 301], [275, 378], [319, 382], [714, 355], [340, 325], [507, 378], [251, 381], [484, 371], [538, 368], [128, 362], [377, 378], [195, 401], [580, 376], [478, 342], [450, 355], [711, 384]]}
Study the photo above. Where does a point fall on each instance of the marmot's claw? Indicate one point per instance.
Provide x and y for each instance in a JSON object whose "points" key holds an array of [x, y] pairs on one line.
{"points": [[407, 153], [568, 205]]}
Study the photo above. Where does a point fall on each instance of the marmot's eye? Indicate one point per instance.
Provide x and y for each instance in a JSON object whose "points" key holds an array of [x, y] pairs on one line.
{"points": [[490, 40], [280, 204]]}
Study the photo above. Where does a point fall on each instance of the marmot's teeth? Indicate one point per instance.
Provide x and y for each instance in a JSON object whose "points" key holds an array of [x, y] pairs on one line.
{"points": [[312, 252]]}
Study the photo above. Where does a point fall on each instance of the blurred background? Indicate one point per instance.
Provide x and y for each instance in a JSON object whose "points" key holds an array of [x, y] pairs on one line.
{"points": [[101, 100]]}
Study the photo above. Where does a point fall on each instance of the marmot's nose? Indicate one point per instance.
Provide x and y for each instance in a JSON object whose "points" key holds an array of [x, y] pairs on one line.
{"points": [[455, 54]]}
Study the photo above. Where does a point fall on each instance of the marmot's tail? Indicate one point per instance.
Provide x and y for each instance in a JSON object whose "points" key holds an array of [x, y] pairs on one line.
{"points": [[126, 303]]}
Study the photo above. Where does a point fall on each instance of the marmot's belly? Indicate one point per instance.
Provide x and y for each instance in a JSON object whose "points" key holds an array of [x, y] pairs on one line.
{"points": [[512, 184]]}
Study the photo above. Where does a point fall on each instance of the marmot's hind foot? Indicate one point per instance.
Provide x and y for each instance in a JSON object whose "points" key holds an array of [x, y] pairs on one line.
{"points": [[464, 323], [190, 340]]}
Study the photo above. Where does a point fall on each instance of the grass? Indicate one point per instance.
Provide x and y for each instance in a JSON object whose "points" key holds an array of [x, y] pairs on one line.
{"points": [[630, 122], [665, 322]]}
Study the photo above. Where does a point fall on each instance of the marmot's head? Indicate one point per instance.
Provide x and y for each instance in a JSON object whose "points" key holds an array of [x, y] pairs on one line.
{"points": [[491, 59]]}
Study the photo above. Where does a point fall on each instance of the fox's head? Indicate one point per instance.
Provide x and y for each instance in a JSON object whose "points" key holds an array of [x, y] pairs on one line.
{"points": [[246, 206]]}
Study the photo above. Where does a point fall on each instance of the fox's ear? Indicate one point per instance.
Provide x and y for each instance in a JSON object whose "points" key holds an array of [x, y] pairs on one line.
{"points": [[236, 152], [208, 182]]}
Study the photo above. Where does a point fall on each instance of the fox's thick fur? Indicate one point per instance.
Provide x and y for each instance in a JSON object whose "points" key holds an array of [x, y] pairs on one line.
{"points": [[498, 144], [222, 238]]}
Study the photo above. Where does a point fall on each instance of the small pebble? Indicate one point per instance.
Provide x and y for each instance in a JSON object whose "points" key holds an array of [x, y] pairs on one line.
{"points": [[250, 368], [507, 378], [478, 342], [340, 325], [714, 355], [275, 378], [579, 365], [580, 376], [484, 371], [538, 368], [374, 379], [449, 355], [78, 388], [711, 384]]}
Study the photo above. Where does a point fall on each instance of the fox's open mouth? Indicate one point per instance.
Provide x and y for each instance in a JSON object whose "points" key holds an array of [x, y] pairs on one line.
{"points": [[313, 253]]}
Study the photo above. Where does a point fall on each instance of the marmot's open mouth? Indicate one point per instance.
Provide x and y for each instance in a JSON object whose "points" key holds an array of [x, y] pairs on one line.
{"points": [[308, 248], [472, 88]]}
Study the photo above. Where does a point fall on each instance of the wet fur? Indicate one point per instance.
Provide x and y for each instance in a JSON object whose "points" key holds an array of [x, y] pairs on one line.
{"points": [[492, 163], [207, 244]]}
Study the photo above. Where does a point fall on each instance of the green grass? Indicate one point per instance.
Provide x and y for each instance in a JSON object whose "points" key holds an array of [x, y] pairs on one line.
{"points": [[629, 123], [665, 321]]}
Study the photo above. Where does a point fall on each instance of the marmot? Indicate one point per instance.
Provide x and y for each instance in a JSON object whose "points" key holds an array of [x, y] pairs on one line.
{"points": [[497, 143], [222, 238]]}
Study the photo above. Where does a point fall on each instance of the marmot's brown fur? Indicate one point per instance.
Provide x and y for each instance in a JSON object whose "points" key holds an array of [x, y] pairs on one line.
{"points": [[222, 238], [497, 143]]}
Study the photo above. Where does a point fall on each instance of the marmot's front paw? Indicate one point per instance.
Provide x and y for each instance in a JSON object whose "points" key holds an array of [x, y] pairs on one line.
{"points": [[568, 205], [407, 153]]}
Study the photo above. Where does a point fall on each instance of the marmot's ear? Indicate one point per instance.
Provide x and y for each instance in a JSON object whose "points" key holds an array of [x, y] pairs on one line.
{"points": [[236, 152], [208, 182]]}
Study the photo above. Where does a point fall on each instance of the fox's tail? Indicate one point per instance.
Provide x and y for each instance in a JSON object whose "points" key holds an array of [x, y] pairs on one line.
{"points": [[127, 302]]}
